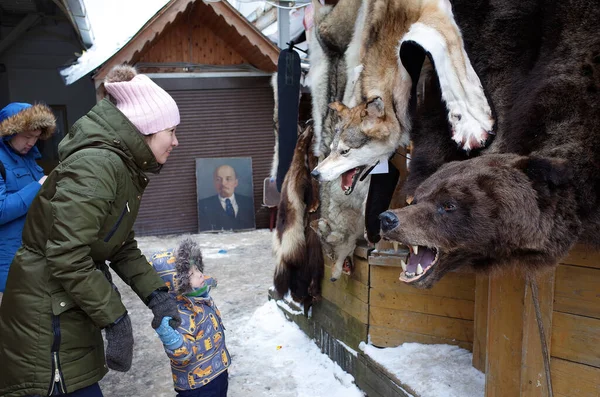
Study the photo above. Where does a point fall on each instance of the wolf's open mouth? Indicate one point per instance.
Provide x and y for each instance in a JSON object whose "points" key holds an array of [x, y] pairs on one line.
{"points": [[420, 260], [350, 177]]}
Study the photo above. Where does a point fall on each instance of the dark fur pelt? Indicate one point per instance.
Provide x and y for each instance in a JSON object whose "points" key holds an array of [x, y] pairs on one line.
{"points": [[297, 249], [527, 198]]}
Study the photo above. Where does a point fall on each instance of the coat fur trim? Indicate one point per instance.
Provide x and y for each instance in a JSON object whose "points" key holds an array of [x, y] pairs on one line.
{"points": [[188, 255], [38, 116]]}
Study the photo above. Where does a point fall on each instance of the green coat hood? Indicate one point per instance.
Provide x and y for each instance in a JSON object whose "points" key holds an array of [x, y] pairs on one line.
{"points": [[106, 127]]}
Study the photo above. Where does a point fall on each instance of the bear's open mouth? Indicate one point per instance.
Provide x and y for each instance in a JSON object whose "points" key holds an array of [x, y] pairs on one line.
{"points": [[419, 262], [350, 177]]}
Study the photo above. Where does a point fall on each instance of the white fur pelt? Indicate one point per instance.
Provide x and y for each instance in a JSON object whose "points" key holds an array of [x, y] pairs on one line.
{"points": [[319, 80]]}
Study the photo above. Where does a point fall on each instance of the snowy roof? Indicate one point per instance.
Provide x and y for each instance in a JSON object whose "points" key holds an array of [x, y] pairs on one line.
{"points": [[115, 22], [146, 23]]}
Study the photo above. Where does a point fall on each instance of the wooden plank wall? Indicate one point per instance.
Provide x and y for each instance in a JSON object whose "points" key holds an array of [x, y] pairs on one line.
{"points": [[344, 310], [507, 345], [191, 40], [575, 350], [400, 313]]}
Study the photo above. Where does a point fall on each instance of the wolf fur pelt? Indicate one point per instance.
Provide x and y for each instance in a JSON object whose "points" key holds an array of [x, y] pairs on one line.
{"points": [[396, 35], [298, 252], [334, 49]]}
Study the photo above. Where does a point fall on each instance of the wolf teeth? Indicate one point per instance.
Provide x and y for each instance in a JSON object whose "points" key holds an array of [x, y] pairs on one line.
{"points": [[415, 249], [410, 274], [419, 269], [403, 264]]}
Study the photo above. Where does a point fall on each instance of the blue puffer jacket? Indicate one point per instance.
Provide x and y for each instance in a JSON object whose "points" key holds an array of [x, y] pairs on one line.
{"points": [[16, 194], [203, 355], [20, 186]]}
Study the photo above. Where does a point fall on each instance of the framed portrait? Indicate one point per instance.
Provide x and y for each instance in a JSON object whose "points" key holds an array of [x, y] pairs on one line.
{"points": [[225, 194]]}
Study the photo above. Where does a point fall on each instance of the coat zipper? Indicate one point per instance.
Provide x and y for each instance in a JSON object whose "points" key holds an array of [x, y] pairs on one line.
{"points": [[57, 384], [116, 226]]}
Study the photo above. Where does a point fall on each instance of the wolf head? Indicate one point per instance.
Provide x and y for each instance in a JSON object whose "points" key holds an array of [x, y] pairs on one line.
{"points": [[490, 213], [364, 135]]}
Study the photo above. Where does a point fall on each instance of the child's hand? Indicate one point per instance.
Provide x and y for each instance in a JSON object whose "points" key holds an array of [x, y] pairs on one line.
{"points": [[168, 336]]}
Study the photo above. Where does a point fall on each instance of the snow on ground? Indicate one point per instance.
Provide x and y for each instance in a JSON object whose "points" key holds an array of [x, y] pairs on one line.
{"points": [[270, 355], [431, 370]]}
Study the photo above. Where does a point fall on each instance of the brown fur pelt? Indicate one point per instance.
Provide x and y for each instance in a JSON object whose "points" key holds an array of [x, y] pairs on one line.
{"points": [[297, 248], [36, 117]]}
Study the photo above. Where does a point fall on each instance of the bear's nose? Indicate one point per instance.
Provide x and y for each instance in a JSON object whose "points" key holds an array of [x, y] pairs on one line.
{"points": [[316, 174], [388, 221]]}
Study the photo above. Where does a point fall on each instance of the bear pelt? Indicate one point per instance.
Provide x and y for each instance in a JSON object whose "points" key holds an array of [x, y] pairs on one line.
{"points": [[529, 196]]}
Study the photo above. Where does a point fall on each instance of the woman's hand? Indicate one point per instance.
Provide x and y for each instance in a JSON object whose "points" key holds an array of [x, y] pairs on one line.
{"points": [[119, 349], [163, 305]]}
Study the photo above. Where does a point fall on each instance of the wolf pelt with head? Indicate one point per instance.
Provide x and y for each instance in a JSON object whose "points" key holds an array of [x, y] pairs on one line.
{"points": [[334, 44], [525, 200], [392, 42]]}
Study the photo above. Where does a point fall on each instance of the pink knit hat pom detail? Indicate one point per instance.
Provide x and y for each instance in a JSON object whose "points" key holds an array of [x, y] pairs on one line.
{"points": [[150, 108]]}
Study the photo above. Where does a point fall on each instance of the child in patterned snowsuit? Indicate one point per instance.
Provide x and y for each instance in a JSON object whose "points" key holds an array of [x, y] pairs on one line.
{"points": [[199, 357]]}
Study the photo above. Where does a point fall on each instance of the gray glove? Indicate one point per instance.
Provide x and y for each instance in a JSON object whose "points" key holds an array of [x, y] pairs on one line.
{"points": [[162, 305], [119, 349]]}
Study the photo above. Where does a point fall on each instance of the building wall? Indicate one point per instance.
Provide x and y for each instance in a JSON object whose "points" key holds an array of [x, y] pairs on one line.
{"points": [[32, 74], [220, 117]]}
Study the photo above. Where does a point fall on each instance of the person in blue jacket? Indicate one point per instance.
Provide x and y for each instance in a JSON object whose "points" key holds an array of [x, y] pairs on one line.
{"points": [[21, 125]]}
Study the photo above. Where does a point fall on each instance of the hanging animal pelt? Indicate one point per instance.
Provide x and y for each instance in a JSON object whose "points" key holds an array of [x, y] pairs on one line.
{"points": [[275, 161], [298, 252], [334, 62]]}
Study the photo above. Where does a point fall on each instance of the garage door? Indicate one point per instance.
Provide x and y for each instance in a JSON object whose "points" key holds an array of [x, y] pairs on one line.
{"points": [[219, 118]]}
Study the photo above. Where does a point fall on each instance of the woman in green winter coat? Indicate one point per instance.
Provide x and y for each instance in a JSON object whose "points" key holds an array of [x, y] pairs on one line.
{"points": [[59, 293]]}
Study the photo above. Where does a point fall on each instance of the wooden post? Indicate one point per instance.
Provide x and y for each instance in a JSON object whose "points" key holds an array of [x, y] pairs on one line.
{"points": [[533, 376], [514, 363], [482, 283]]}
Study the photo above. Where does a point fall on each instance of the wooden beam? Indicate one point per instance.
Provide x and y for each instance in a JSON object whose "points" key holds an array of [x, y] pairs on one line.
{"points": [[576, 338], [25, 24], [504, 336], [514, 363], [266, 19], [146, 34], [244, 28], [533, 376], [577, 290], [482, 284]]}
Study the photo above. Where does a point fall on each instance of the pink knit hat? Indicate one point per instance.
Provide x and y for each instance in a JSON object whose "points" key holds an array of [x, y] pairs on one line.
{"points": [[150, 108]]}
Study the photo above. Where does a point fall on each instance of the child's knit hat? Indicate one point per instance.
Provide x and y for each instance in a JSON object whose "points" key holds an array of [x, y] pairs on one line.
{"points": [[150, 108], [188, 255], [174, 266]]}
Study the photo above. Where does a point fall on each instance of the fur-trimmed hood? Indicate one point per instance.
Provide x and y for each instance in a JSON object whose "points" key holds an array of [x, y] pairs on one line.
{"points": [[174, 266], [19, 117]]}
